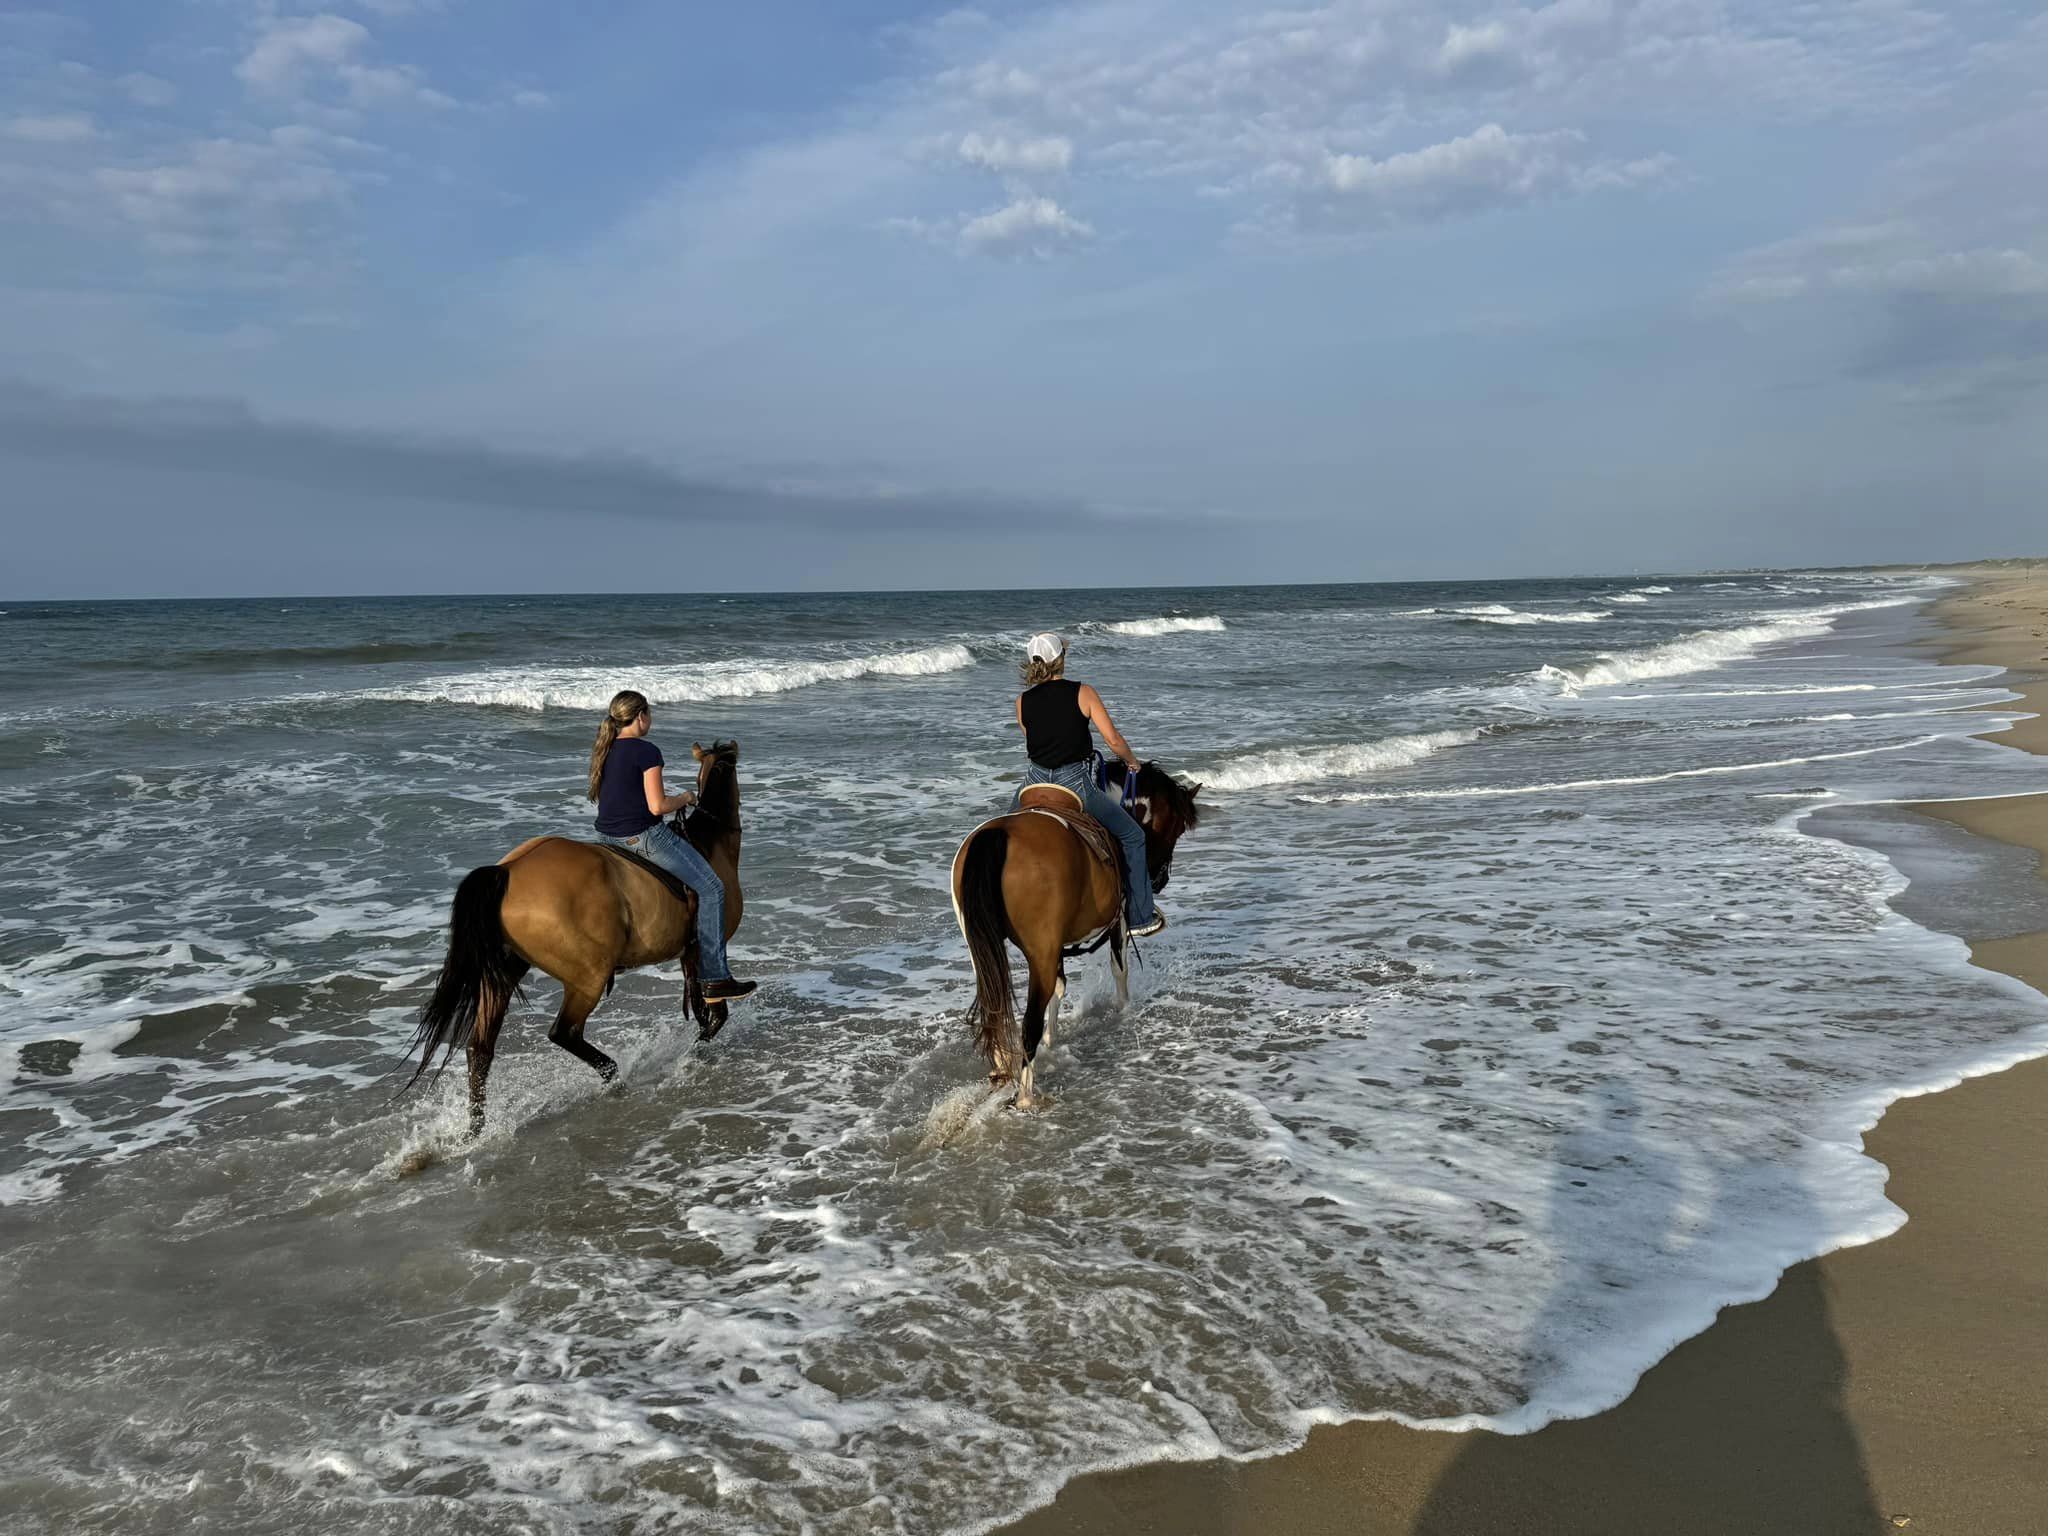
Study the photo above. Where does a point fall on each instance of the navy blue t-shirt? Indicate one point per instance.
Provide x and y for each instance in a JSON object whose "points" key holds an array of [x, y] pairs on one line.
{"points": [[621, 788]]}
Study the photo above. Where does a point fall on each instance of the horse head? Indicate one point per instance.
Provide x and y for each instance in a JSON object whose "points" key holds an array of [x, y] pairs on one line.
{"points": [[718, 781], [1165, 808]]}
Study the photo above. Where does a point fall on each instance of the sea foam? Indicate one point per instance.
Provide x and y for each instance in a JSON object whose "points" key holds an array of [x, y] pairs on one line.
{"points": [[1518, 616], [1501, 613], [1702, 650], [588, 688], [1301, 765], [1207, 624], [1625, 781]]}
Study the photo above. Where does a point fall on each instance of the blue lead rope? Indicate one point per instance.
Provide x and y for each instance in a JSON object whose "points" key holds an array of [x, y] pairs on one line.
{"points": [[1100, 773]]}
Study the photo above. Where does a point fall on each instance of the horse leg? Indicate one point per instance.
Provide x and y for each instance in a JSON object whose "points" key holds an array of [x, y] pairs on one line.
{"points": [[1041, 993], [577, 1003], [1052, 1007], [1121, 967], [1003, 1061], [483, 1048]]}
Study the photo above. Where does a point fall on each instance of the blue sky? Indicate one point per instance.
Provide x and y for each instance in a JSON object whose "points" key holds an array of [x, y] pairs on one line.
{"points": [[446, 295]]}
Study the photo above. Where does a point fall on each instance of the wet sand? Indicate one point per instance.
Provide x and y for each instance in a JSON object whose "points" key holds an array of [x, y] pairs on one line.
{"points": [[1898, 1385]]}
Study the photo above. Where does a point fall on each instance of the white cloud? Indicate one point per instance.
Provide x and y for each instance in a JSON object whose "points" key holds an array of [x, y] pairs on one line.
{"points": [[1010, 157], [147, 90], [296, 54], [226, 196], [290, 48], [1464, 47], [54, 128], [370, 85], [1973, 274], [1030, 225], [1488, 168], [1277, 111], [1238, 102], [305, 139], [532, 101], [1892, 259]]}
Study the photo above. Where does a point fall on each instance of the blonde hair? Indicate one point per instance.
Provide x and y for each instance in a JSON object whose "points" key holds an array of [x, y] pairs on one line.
{"points": [[1035, 671], [625, 708]]}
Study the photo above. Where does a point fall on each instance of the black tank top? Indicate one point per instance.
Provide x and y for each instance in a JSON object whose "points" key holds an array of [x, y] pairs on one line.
{"points": [[1055, 730]]}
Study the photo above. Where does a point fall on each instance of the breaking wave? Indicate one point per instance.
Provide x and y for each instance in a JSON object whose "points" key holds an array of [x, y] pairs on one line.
{"points": [[593, 687], [1500, 613], [1702, 650], [1517, 616], [1207, 624], [1303, 765]]}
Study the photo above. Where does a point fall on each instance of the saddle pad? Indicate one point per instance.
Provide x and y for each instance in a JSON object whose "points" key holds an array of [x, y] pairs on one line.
{"points": [[1095, 837], [676, 888]]}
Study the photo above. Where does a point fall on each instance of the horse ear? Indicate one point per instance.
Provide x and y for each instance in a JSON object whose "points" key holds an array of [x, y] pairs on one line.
{"points": [[697, 750], [1194, 790]]}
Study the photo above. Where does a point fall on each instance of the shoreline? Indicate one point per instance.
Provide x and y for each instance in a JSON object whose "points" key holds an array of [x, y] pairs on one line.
{"points": [[1896, 1384]]}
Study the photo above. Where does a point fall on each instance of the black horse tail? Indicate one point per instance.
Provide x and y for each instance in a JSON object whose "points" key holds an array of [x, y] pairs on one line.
{"points": [[985, 923], [479, 978]]}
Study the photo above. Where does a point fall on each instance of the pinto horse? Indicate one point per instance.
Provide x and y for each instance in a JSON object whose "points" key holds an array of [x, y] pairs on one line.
{"points": [[583, 914], [1027, 879]]}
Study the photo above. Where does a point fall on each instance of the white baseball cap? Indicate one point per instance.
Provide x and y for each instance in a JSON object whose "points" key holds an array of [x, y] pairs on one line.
{"points": [[1045, 646]]}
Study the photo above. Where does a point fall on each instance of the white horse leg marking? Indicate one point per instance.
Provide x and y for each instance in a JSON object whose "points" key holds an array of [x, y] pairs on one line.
{"points": [[1024, 1098], [1118, 964]]}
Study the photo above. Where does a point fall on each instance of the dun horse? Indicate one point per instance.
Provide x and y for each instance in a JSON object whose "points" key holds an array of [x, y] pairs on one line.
{"points": [[581, 913], [1027, 879]]}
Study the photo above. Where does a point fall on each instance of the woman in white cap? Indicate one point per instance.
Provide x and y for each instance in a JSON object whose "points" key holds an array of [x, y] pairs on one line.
{"points": [[1056, 715]]}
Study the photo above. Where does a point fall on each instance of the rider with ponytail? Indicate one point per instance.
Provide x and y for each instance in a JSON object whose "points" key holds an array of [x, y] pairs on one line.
{"points": [[1056, 715], [625, 784]]}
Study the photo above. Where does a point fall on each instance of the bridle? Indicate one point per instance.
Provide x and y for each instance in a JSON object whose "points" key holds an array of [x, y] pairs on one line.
{"points": [[712, 763]]}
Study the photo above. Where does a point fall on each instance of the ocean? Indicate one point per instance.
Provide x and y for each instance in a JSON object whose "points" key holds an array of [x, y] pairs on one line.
{"points": [[1543, 951]]}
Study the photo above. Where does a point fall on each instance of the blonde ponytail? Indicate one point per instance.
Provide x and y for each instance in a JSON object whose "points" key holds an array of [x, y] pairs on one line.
{"points": [[625, 708], [1035, 671]]}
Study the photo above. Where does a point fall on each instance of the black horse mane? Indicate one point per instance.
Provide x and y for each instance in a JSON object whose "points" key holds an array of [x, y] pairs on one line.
{"points": [[718, 795], [1179, 797]]}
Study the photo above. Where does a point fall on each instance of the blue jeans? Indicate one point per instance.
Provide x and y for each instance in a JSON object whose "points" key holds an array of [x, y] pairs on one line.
{"points": [[659, 844], [1107, 809]]}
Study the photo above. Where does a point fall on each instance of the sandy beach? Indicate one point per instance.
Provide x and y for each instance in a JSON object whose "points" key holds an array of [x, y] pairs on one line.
{"points": [[1898, 1385]]}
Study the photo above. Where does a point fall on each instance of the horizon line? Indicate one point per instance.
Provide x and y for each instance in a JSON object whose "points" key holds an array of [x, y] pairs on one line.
{"points": [[816, 592]]}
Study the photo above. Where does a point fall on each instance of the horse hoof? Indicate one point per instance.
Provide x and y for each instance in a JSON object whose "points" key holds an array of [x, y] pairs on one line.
{"points": [[708, 1030], [416, 1162]]}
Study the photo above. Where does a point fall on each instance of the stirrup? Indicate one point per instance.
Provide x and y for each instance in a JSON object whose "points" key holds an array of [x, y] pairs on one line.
{"points": [[1157, 925]]}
